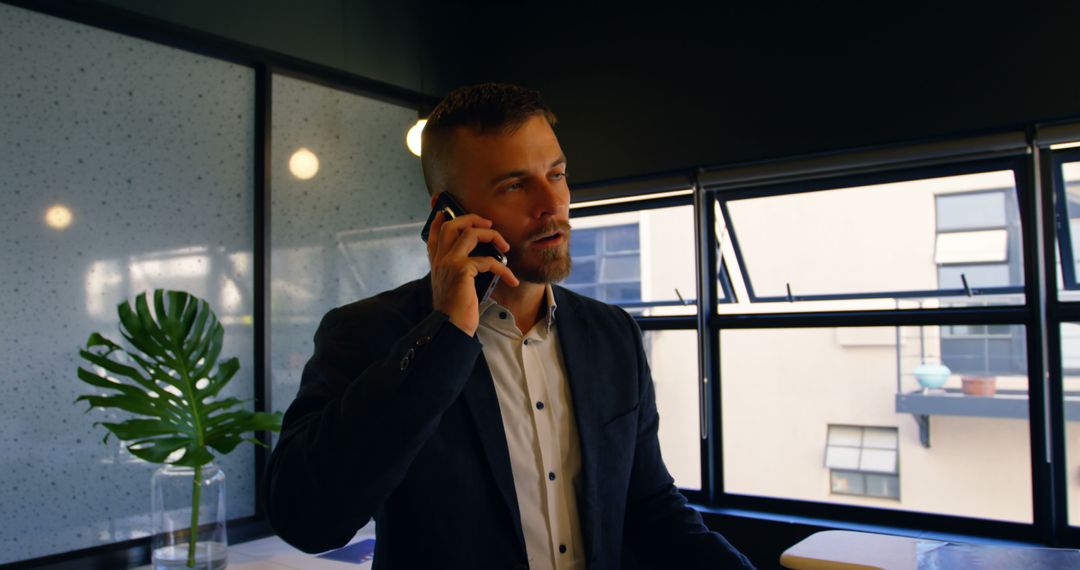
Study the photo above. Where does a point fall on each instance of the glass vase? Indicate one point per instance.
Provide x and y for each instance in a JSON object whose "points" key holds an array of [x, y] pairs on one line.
{"points": [[175, 491]]}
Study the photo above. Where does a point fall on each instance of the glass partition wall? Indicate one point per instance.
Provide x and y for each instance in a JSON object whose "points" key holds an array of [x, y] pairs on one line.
{"points": [[130, 166], [346, 228], [127, 166]]}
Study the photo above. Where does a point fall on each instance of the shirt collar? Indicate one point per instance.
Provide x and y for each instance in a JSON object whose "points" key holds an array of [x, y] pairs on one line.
{"points": [[549, 305]]}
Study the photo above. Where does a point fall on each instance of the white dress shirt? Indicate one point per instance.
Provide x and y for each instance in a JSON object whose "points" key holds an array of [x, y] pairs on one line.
{"points": [[541, 433]]}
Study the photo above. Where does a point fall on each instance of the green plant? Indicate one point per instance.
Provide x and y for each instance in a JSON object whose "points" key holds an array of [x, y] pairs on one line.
{"points": [[171, 383]]}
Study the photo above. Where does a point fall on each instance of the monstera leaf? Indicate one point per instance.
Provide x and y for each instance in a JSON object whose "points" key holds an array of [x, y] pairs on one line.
{"points": [[171, 382]]}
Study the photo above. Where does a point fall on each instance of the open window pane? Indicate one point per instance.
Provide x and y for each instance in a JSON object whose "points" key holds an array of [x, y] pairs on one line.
{"points": [[1070, 177], [842, 457], [784, 420], [642, 260], [885, 246], [973, 247], [673, 359], [878, 460]]}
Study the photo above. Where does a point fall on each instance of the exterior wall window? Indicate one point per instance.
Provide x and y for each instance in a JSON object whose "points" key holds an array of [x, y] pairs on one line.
{"points": [[607, 263], [863, 461], [978, 245]]}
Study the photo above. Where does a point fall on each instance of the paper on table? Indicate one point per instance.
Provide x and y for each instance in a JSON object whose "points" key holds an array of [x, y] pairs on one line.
{"points": [[356, 553]]}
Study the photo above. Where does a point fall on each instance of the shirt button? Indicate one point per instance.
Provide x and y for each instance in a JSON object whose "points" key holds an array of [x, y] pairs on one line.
{"points": [[562, 549], [502, 315], [410, 353], [404, 363], [526, 342], [539, 405], [551, 475]]}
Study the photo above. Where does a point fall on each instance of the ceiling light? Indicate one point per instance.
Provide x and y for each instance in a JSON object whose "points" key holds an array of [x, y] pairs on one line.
{"points": [[303, 164], [58, 217], [412, 139]]}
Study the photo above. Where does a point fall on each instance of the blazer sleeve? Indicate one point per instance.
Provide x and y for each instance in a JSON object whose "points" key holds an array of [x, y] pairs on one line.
{"points": [[358, 421], [661, 528]]}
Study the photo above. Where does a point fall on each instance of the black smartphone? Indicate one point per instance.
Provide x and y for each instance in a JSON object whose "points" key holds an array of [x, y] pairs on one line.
{"points": [[485, 282]]}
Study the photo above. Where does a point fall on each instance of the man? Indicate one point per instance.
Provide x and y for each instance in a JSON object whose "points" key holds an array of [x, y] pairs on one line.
{"points": [[516, 432]]}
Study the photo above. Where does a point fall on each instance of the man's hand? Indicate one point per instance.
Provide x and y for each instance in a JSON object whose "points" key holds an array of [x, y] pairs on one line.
{"points": [[453, 272]]}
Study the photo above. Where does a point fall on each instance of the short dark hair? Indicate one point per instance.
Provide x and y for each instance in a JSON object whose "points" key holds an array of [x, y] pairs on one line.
{"points": [[486, 108]]}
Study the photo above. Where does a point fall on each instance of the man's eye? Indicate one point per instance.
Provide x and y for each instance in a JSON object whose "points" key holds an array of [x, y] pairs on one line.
{"points": [[558, 176], [515, 186]]}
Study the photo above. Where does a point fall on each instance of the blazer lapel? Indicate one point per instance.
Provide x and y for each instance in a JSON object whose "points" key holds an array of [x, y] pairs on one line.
{"points": [[483, 404], [576, 344]]}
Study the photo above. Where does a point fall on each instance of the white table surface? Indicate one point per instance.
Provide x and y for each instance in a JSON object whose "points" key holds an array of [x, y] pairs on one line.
{"points": [[271, 553], [849, 550]]}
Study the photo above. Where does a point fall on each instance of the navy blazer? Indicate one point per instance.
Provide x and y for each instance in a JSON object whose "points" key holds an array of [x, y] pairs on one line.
{"points": [[397, 419]]}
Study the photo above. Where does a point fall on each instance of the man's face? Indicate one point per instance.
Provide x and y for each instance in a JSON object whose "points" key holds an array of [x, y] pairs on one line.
{"points": [[518, 181]]}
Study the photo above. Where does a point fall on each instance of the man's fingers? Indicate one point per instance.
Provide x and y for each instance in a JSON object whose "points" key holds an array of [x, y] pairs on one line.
{"points": [[449, 231], [491, 265], [433, 234], [468, 240]]}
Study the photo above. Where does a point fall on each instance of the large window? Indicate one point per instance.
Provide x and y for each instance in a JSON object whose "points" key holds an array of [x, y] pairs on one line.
{"points": [[642, 258], [875, 320]]}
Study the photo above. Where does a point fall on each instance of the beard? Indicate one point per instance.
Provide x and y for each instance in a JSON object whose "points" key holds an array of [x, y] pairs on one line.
{"points": [[553, 264]]}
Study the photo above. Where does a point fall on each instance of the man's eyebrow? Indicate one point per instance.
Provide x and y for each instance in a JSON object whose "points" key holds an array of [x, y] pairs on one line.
{"points": [[521, 172]]}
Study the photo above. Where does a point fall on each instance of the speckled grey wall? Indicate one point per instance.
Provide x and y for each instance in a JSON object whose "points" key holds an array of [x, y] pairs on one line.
{"points": [[126, 166], [348, 232]]}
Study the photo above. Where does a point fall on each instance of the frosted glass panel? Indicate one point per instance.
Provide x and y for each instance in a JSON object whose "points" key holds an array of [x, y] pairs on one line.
{"points": [[126, 166], [349, 230]]}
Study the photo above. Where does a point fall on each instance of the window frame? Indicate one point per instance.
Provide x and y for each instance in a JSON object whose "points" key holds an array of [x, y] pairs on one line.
{"points": [[840, 182], [1029, 201]]}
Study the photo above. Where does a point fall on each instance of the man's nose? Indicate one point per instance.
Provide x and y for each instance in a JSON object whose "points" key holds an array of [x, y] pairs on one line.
{"points": [[552, 198]]}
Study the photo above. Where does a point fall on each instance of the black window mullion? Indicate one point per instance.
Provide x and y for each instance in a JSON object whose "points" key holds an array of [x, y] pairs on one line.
{"points": [[1038, 232], [707, 249], [261, 271], [1056, 231]]}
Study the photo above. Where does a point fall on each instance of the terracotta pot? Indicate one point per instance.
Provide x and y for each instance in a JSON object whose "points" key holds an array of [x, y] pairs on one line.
{"points": [[979, 385]]}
